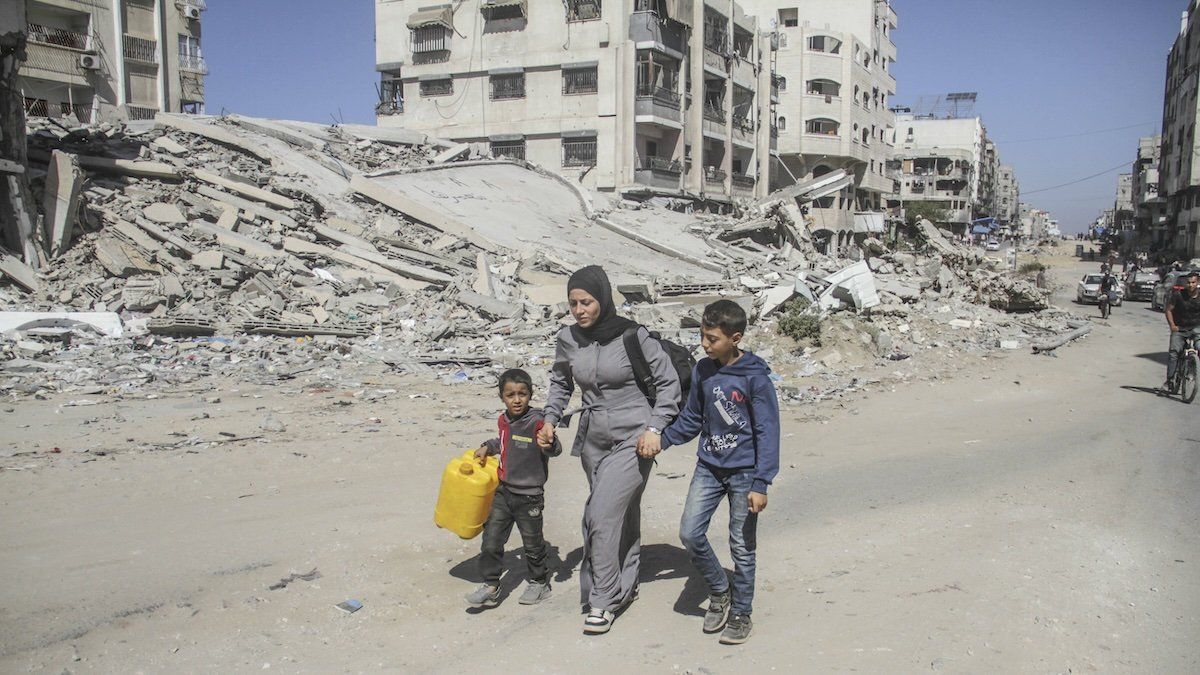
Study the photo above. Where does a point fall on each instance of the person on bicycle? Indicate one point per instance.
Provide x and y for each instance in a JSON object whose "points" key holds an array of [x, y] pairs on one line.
{"points": [[1183, 316], [1108, 290]]}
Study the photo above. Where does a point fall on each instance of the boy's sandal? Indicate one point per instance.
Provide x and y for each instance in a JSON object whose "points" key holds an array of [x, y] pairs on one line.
{"points": [[598, 621]]}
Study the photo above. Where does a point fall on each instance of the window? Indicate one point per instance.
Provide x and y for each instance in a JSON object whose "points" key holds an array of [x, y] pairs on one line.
{"points": [[781, 82], [391, 95], [36, 107], [189, 53], [715, 31], [427, 39], [790, 17], [781, 123], [583, 10], [658, 77], [503, 12], [824, 87], [822, 126], [579, 151], [580, 81], [510, 149], [508, 86], [442, 87], [824, 43]]}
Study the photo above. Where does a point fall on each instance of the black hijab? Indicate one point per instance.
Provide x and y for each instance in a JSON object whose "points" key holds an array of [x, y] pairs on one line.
{"points": [[609, 325]]}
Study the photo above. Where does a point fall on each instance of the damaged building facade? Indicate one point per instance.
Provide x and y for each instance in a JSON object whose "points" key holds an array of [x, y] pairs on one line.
{"points": [[98, 60], [642, 97], [833, 77], [942, 161], [1149, 208], [1179, 175]]}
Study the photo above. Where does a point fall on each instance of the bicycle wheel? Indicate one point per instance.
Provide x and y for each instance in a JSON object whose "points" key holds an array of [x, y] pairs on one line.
{"points": [[1187, 388]]}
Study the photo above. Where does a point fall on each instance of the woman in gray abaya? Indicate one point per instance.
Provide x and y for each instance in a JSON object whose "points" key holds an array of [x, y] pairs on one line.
{"points": [[615, 414]]}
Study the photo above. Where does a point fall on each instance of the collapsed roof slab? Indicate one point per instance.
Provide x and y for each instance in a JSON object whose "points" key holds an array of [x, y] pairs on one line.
{"points": [[526, 212]]}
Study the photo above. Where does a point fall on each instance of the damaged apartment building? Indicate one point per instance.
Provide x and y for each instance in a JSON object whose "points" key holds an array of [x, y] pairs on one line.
{"points": [[639, 97], [101, 60], [834, 79]]}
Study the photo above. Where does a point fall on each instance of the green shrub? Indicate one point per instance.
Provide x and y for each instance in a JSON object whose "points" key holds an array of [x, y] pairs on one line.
{"points": [[799, 326], [1031, 268]]}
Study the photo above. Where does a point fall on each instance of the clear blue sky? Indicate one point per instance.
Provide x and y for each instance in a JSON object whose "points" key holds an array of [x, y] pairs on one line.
{"points": [[1042, 68]]}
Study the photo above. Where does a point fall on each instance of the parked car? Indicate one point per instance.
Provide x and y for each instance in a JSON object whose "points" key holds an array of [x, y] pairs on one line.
{"points": [[1140, 285], [1088, 290], [1163, 289], [992, 245]]}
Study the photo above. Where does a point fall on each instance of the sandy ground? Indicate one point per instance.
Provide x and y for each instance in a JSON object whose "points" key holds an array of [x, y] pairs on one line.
{"points": [[1030, 514]]}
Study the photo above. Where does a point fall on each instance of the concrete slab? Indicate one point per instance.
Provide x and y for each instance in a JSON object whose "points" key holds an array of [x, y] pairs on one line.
{"points": [[245, 190], [61, 204], [167, 214]]}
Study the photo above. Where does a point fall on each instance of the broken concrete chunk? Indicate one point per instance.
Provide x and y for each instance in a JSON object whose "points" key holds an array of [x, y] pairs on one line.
{"points": [[167, 214], [61, 203], [209, 260], [245, 190], [167, 145]]}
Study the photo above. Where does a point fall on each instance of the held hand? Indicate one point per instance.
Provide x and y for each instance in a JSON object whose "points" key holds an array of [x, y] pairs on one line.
{"points": [[649, 445], [757, 501], [481, 454], [545, 436]]}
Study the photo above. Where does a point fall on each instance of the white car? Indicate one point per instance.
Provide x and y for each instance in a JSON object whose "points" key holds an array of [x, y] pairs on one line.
{"points": [[1088, 290], [992, 245]]}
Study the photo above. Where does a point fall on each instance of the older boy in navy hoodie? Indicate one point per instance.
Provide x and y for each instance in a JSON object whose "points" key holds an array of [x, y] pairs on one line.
{"points": [[733, 408]]}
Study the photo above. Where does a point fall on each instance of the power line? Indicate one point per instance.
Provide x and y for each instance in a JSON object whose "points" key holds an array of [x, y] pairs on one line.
{"points": [[1122, 165], [1083, 133]]}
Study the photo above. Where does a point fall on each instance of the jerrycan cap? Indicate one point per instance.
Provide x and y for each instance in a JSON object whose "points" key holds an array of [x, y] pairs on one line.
{"points": [[466, 469]]}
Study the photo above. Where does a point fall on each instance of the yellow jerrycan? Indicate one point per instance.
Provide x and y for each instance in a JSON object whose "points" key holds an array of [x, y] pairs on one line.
{"points": [[465, 498]]}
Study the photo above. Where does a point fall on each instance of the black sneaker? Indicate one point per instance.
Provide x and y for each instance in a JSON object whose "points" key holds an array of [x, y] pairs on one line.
{"points": [[718, 612], [737, 630]]}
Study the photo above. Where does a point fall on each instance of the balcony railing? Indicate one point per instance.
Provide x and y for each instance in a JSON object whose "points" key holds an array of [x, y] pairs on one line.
{"points": [[743, 181], [660, 94], [141, 49], [713, 113], [196, 4], [193, 62], [714, 175], [53, 59], [137, 112], [743, 124], [59, 37], [661, 165]]}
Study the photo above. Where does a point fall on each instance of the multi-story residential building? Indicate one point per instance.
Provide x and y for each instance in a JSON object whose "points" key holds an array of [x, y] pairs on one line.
{"points": [[989, 168], [941, 161], [643, 97], [1123, 206], [112, 59], [1036, 224], [1149, 209], [1179, 173], [1008, 199], [834, 78]]}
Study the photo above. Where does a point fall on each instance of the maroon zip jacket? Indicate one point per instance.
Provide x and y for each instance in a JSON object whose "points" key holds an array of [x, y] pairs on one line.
{"points": [[524, 468]]}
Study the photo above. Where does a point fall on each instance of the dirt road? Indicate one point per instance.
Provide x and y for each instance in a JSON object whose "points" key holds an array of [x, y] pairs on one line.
{"points": [[1033, 514]]}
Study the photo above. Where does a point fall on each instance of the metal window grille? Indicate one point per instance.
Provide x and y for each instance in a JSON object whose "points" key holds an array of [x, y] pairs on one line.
{"points": [[579, 151], [583, 10], [510, 149], [437, 87], [56, 36], [81, 111], [430, 39], [580, 81], [508, 86], [824, 127], [137, 112], [503, 12], [141, 49], [36, 107]]}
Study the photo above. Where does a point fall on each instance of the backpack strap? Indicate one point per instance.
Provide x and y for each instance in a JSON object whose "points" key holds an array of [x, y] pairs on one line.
{"points": [[637, 359]]}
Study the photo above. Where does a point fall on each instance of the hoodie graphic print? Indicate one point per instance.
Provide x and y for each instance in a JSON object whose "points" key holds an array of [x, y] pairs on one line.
{"points": [[735, 412]]}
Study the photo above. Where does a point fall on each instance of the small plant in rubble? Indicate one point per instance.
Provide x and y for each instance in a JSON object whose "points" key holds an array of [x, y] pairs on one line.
{"points": [[798, 325]]}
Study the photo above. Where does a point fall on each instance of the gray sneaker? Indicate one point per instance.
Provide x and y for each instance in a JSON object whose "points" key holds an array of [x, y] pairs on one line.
{"points": [[534, 593], [718, 612], [737, 630], [484, 596]]}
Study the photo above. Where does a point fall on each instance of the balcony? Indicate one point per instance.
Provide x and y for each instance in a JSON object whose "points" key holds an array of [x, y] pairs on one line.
{"points": [[661, 95], [743, 181], [53, 62], [194, 63], [141, 49], [655, 101], [660, 172], [137, 112], [59, 37], [714, 176], [194, 4], [645, 25], [714, 113]]}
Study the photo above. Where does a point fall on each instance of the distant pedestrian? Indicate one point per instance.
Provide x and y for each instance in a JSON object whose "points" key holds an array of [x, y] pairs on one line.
{"points": [[733, 407]]}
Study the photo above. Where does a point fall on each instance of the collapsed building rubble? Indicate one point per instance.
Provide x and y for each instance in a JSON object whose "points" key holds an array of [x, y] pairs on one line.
{"points": [[266, 249]]}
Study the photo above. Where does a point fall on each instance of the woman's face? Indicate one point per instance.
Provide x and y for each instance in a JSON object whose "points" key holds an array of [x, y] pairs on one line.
{"points": [[584, 307]]}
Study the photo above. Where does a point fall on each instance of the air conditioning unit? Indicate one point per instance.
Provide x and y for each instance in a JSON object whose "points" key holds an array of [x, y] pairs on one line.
{"points": [[89, 61], [191, 12]]}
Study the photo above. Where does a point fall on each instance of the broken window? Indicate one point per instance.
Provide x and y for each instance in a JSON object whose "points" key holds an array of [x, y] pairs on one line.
{"points": [[36, 107], [510, 149], [824, 87], [789, 17], [188, 107], [583, 10], [824, 43], [580, 81], [821, 125], [579, 151], [658, 77], [743, 42], [508, 86], [442, 87], [391, 95], [716, 31], [433, 38]]}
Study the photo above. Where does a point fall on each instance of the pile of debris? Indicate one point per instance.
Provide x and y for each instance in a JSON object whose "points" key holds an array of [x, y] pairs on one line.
{"points": [[186, 247]]}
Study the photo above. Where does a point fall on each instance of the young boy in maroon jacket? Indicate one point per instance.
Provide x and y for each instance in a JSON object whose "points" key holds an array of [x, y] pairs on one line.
{"points": [[520, 497]]}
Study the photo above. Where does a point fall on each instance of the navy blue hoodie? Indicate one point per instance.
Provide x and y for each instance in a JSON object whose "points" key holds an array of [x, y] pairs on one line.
{"points": [[734, 410]]}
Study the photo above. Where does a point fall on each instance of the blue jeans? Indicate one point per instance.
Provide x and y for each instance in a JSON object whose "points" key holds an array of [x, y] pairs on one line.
{"points": [[709, 486]]}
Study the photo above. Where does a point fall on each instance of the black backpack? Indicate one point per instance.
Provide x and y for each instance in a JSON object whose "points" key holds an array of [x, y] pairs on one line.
{"points": [[680, 356]]}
